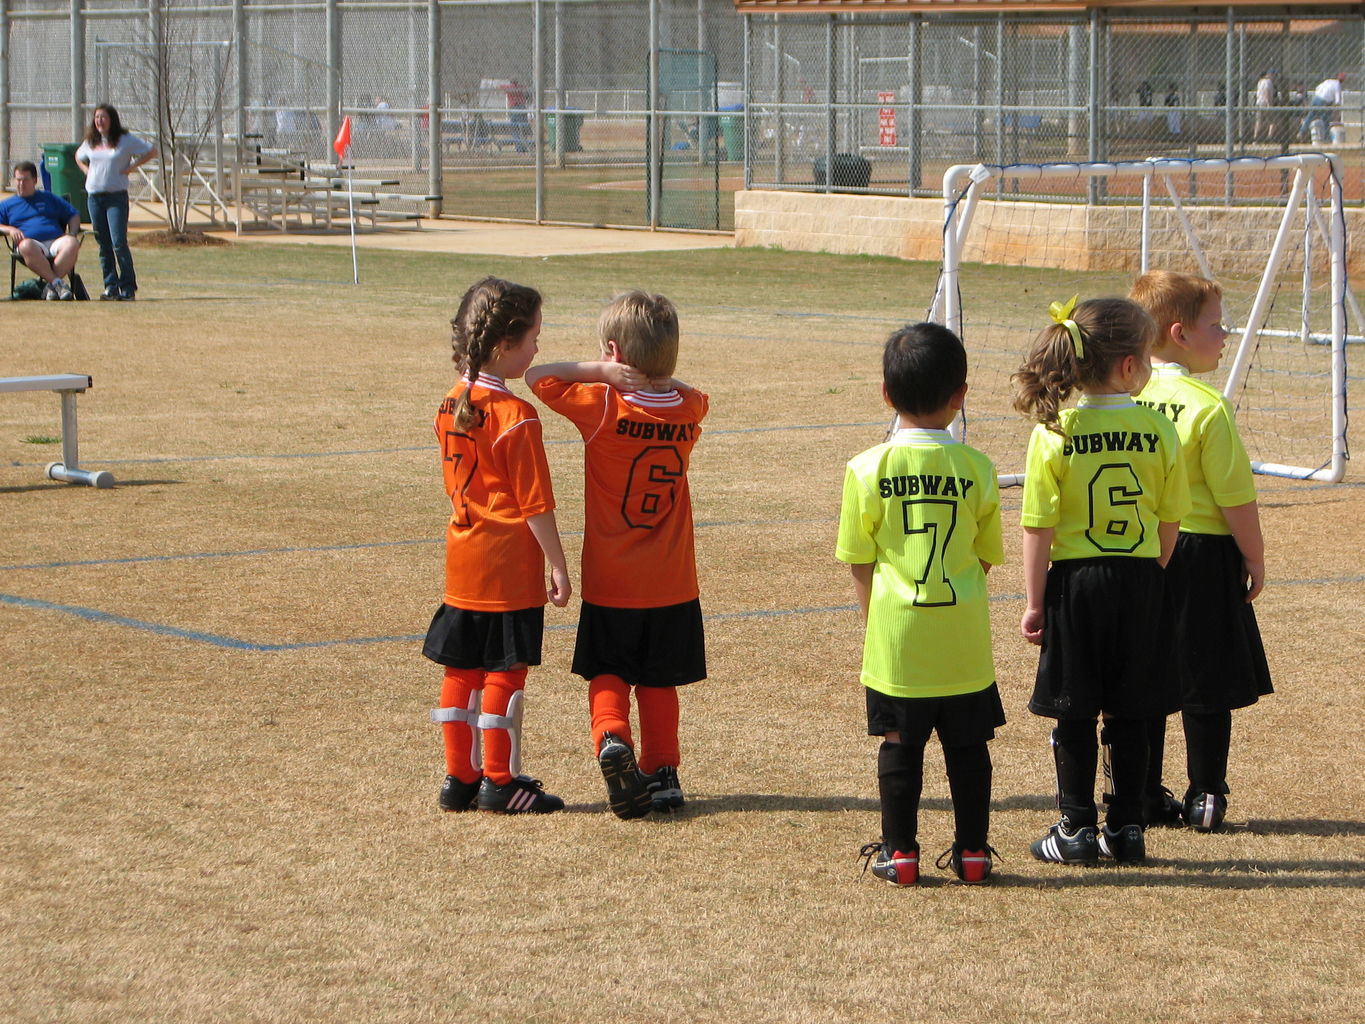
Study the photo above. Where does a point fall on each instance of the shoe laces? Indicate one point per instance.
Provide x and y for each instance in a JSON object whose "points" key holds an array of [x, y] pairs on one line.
{"points": [[945, 859], [868, 852]]}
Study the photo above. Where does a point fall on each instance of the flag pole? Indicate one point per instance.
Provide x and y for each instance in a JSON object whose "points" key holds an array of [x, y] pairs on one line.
{"points": [[342, 145]]}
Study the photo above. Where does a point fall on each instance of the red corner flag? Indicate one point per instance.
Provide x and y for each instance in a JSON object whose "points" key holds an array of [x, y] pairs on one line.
{"points": [[343, 140]]}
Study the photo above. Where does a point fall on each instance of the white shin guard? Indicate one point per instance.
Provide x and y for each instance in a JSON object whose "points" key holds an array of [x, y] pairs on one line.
{"points": [[512, 723], [469, 716]]}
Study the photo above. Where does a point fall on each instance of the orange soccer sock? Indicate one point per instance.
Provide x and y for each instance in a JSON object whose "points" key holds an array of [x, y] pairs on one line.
{"points": [[456, 688], [498, 691], [658, 727], [609, 705]]}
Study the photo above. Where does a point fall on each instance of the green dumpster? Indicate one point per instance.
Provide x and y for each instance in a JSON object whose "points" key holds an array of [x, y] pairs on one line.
{"points": [[573, 125], [732, 128], [68, 180]]}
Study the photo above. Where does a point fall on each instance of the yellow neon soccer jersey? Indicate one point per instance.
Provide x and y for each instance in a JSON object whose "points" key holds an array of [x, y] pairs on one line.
{"points": [[1217, 464], [926, 511], [1106, 485]]}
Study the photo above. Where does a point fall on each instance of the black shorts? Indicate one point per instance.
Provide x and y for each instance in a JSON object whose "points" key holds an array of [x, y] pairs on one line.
{"points": [[961, 720], [1220, 660], [644, 646], [492, 641], [1107, 641]]}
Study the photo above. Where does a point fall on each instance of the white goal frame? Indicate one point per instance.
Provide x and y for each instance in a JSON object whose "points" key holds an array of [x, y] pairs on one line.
{"points": [[965, 184]]}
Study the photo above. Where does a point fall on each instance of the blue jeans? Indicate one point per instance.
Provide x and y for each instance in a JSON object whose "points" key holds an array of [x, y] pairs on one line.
{"points": [[109, 218]]}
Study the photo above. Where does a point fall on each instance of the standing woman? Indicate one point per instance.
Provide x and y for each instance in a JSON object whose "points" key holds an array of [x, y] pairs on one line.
{"points": [[107, 156]]}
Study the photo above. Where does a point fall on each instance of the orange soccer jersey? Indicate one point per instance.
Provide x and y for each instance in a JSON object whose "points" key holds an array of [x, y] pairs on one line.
{"points": [[638, 550], [497, 477]]}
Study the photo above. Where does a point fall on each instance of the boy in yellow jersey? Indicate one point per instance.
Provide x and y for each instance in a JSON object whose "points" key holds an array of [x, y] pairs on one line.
{"points": [[920, 527], [1218, 567]]}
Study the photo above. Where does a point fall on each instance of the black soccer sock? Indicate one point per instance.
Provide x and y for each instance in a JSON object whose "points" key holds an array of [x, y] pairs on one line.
{"points": [[969, 781], [900, 779], [1074, 747], [1207, 738], [1126, 739], [1156, 755]]}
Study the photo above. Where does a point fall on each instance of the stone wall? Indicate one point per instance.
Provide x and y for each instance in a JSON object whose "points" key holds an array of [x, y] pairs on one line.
{"points": [[1064, 236]]}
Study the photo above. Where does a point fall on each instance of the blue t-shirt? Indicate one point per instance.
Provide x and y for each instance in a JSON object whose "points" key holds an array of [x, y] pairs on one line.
{"points": [[42, 216]]}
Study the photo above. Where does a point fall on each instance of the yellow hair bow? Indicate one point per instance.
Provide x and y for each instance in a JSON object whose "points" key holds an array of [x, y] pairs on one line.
{"points": [[1061, 314]]}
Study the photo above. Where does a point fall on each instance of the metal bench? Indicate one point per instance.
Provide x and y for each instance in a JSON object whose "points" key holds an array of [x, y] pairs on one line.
{"points": [[68, 385]]}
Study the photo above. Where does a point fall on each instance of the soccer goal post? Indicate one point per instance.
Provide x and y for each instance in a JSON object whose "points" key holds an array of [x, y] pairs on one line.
{"points": [[1271, 231]]}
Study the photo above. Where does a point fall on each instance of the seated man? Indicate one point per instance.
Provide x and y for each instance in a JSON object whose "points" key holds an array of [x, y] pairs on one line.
{"points": [[44, 229]]}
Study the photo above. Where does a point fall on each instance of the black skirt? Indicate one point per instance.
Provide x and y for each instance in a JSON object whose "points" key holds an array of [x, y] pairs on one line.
{"points": [[1220, 659], [961, 720], [644, 646], [1107, 641], [492, 641]]}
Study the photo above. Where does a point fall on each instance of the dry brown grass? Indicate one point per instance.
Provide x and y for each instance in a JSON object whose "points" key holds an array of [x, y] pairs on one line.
{"points": [[191, 831]]}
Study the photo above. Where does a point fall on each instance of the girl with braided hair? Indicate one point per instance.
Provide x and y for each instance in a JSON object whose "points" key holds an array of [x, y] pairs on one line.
{"points": [[502, 531], [1104, 492]]}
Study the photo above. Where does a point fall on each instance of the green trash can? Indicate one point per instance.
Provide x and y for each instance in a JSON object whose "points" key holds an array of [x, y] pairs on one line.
{"points": [[66, 176], [573, 125], [732, 128]]}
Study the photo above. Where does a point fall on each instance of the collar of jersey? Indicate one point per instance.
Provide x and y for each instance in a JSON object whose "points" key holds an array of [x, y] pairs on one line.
{"points": [[653, 399], [487, 380], [1105, 402], [921, 435], [1169, 370]]}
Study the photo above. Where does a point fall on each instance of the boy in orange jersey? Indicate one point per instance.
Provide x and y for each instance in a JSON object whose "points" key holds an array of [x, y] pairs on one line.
{"points": [[640, 625]]}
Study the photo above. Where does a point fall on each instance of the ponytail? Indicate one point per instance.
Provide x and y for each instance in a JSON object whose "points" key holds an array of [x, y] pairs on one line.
{"points": [[491, 311]]}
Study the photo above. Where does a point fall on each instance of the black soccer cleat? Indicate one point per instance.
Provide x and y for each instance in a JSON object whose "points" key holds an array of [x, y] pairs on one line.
{"points": [[898, 867], [523, 795], [665, 792], [972, 867], [1205, 811], [1162, 810], [627, 790], [1124, 845], [1064, 844], [457, 795]]}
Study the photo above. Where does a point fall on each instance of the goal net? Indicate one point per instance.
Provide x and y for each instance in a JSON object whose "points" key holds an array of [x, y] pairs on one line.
{"points": [[1270, 231]]}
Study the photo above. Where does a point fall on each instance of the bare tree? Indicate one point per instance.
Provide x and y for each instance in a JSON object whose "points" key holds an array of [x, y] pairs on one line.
{"points": [[181, 82]]}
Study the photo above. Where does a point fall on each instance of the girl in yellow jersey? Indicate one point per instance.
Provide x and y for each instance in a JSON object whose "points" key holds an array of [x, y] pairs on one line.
{"points": [[1104, 491]]}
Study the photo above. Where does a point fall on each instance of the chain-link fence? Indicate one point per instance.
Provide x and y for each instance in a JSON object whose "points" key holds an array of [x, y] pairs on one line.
{"points": [[886, 102], [548, 110], [541, 107]]}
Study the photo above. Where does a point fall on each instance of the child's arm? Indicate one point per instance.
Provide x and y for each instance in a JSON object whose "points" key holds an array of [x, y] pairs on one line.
{"points": [[862, 584], [621, 376], [1245, 523], [546, 533], [1037, 554], [1169, 533]]}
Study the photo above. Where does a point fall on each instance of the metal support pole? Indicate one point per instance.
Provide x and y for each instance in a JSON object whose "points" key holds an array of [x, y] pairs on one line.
{"points": [[653, 121], [915, 58], [1000, 156], [744, 121], [4, 85], [435, 184], [77, 70], [68, 470], [240, 74], [559, 86], [1231, 89], [1075, 84], [537, 91], [333, 70], [831, 83], [1093, 147]]}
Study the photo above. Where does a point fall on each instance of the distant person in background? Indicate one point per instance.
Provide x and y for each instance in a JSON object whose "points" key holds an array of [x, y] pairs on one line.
{"points": [[1326, 96], [1264, 127], [108, 155], [1173, 109]]}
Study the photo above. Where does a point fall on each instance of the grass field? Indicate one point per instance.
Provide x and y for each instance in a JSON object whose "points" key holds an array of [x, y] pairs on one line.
{"points": [[219, 781]]}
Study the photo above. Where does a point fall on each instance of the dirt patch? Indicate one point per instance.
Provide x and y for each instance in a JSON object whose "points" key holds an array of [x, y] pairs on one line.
{"points": [[171, 239]]}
